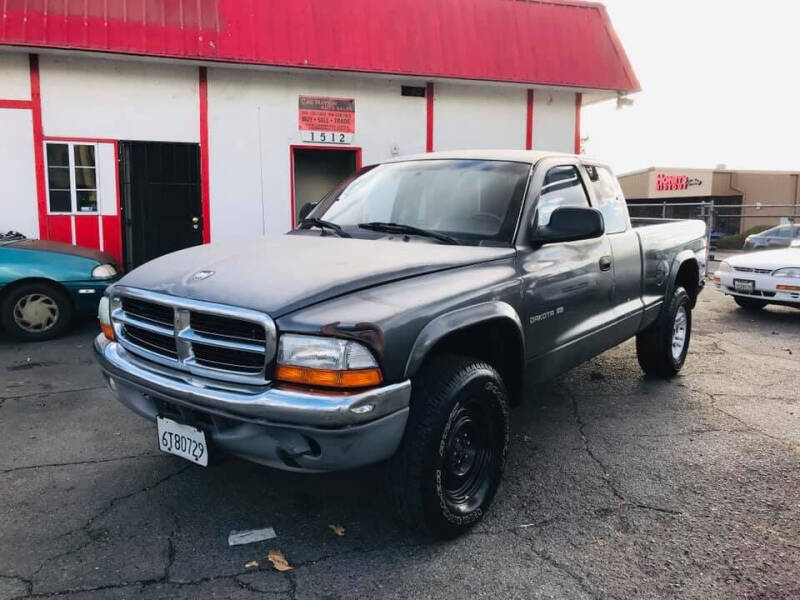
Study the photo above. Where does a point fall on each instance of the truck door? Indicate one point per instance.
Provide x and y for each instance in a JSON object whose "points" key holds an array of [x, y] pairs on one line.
{"points": [[566, 287], [608, 198]]}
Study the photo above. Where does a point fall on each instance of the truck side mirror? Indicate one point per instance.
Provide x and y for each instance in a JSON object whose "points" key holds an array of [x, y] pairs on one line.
{"points": [[570, 224], [306, 209]]}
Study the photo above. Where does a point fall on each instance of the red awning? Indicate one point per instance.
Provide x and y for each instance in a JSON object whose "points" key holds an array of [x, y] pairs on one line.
{"points": [[549, 42]]}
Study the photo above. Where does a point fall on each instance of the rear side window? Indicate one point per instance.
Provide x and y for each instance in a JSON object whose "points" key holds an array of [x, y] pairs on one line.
{"points": [[610, 199], [782, 232], [562, 187]]}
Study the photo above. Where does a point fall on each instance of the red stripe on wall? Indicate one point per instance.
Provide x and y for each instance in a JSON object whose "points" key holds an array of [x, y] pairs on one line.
{"points": [[86, 231], [429, 118], [57, 228], [205, 193], [38, 148], [112, 236], [529, 122], [578, 102], [16, 104]]}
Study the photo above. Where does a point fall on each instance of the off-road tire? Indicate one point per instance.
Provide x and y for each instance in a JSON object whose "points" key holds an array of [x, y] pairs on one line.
{"points": [[751, 304], [654, 344], [421, 473], [58, 297]]}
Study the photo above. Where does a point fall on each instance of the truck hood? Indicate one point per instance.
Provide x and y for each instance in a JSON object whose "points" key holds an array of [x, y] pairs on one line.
{"points": [[281, 274]]}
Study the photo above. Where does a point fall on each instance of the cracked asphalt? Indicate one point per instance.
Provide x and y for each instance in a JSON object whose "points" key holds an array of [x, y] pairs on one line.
{"points": [[617, 487]]}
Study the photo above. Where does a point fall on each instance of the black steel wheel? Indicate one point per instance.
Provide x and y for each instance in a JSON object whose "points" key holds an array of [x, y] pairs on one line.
{"points": [[450, 462], [470, 451]]}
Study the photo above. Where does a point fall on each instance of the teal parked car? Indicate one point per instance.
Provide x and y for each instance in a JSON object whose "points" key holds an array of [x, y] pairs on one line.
{"points": [[43, 285]]}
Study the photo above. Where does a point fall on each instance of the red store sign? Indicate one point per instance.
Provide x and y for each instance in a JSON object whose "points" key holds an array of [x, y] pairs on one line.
{"points": [[670, 183]]}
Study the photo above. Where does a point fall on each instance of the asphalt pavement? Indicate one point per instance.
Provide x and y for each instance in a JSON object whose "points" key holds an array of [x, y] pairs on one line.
{"points": [[617, 486]]}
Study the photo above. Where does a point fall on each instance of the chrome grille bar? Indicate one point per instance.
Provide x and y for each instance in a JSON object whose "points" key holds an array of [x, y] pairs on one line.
{"points": [[227, 348]]}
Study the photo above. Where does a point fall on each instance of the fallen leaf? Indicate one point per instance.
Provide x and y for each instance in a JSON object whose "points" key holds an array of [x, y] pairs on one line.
{"points": [[337, 529], [253, 564], [278, 560]]}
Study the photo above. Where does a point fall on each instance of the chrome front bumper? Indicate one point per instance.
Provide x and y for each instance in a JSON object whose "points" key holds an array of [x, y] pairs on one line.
{"points": [[287, 429]]}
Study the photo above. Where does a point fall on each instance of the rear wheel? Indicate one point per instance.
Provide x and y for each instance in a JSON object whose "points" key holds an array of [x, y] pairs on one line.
{"points": [[749, 303], [662, 347], [448, 468], [36, 311]]}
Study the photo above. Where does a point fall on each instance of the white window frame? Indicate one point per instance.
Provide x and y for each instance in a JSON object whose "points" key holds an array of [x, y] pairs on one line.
{"points": [[73, 191]]}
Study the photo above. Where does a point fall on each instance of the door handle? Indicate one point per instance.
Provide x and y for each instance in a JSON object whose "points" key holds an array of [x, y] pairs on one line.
{"points": [[605, 263]]}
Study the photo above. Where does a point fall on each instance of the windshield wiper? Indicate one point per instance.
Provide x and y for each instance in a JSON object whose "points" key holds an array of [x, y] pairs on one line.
{"points": [[322, 224], [408, 229]]}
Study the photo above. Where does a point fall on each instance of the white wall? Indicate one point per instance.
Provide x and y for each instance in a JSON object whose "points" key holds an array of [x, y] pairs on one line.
{"points": [[253, 121], [102, 98], [553, 121], [14, 76], [466, 117], [18, 207]]}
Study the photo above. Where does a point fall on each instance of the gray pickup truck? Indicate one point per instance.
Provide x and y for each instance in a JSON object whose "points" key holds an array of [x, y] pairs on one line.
{"points": [[410, 308]]}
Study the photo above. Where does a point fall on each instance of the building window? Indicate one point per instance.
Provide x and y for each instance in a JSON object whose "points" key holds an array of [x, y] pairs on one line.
{"points": [[71, 178]]}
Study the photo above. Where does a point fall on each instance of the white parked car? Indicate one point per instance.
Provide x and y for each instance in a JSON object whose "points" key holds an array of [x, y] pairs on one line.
{"points": [[760, 278]]}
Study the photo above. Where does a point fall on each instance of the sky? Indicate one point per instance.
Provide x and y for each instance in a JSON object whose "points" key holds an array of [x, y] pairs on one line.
{"points": [[720, 85]]}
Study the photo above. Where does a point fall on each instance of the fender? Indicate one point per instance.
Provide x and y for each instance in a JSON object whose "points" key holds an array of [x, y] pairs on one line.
{"points": [[455, 320], [682, 257]]}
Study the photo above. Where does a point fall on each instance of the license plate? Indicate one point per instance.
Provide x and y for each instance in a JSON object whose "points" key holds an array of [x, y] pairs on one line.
{"points": [[182, 440], [745, 286]]}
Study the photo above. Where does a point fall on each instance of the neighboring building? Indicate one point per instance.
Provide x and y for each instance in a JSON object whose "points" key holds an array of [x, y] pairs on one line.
{"points": [[145, 126], [753, 197]]}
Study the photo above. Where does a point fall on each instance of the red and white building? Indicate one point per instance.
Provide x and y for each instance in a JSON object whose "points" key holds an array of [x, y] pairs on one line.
{"points": [[143, 126]]}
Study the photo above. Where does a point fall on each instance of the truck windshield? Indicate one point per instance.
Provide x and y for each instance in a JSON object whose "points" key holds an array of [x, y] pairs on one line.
{"points": [[473, 201]]}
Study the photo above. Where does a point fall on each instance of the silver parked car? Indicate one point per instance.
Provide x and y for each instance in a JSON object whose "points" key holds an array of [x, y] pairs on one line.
{"points": [[777, 237]]}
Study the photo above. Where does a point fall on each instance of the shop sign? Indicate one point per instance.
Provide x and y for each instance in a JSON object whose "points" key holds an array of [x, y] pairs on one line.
{"points": [[676, 184], [327, 120]]}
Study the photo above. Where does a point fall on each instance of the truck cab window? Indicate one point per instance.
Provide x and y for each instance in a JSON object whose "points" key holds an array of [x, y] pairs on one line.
{"points": [[561, 187], [610, 199]]}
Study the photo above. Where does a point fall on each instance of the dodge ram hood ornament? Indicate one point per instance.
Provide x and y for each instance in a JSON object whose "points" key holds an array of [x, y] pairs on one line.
{"points": [[201, 275]]}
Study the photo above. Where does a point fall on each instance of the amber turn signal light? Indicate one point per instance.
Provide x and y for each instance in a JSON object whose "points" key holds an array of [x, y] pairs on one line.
{"points": [[788, 288], [108, 331], [326, 378]]}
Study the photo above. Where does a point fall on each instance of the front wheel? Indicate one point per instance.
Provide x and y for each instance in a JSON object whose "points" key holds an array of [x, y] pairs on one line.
{"points": [[36, 311], [752, 304], [448, 468], [662, 347]]}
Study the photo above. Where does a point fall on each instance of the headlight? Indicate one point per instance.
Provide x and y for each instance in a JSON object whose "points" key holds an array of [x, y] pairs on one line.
{"points": [[104, 316], [328, 362], [724, 267], [106, 271], [793, 272]]}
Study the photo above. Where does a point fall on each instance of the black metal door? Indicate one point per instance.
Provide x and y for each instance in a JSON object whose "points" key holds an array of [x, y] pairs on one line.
{"points": [[161, 201]]}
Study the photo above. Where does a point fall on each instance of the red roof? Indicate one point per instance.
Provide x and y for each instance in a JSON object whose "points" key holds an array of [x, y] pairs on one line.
{"points": [[552, 42]]}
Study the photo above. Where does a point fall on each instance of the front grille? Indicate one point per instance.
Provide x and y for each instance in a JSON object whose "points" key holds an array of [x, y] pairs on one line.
{"points": [[225, 358], [149, 311], [155, 342], [205, 339], [752, 270], [226, 327]]}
